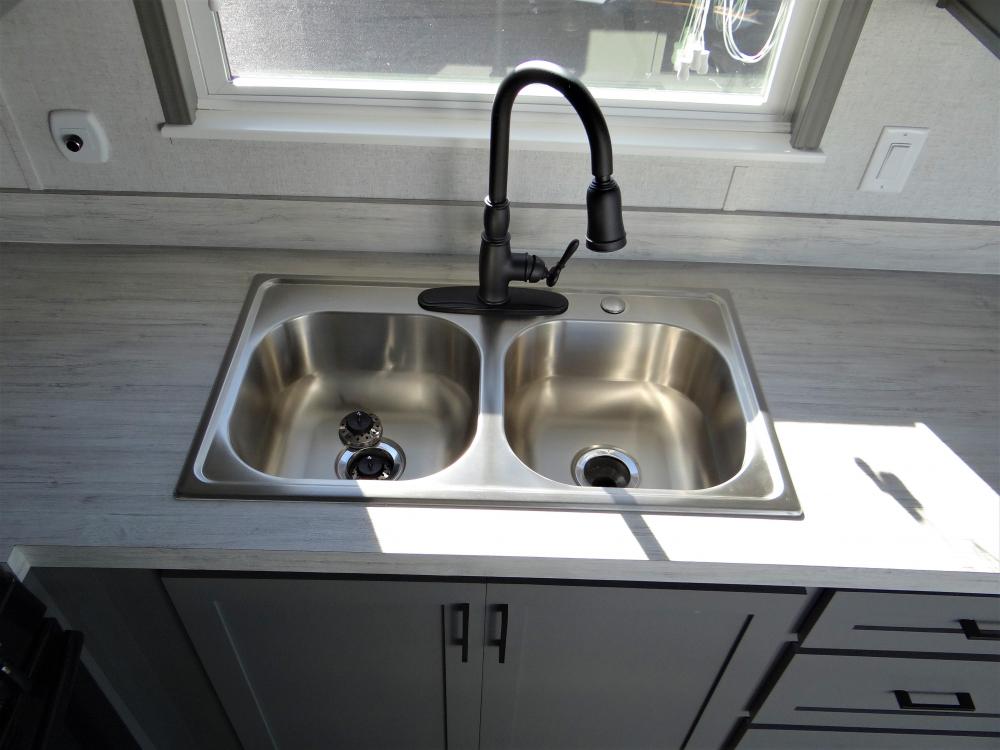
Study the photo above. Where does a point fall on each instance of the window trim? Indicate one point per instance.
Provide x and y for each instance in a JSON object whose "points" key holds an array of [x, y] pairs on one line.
{"points": [[190, 111], [833, 51], [425, 128], [160, 28]]}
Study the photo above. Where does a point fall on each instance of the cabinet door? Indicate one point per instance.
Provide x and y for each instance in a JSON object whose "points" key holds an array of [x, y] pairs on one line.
{"points": [[313, 663], [600, 667]]}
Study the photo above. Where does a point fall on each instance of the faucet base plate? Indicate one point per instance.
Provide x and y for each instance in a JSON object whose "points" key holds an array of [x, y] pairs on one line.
{"points": [[465, 300]]}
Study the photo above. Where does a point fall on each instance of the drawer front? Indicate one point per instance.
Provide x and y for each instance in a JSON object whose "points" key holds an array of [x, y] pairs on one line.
{"points": [[887, 693], [806, 739], [879, 621]]}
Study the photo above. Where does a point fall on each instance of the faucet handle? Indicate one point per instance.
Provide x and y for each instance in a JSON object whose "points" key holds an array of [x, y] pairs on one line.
{"points": [[553, 275]]}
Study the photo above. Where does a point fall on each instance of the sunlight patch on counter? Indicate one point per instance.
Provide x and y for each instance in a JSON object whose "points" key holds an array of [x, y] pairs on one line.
{"points": [[892, 496], [473, 531]]}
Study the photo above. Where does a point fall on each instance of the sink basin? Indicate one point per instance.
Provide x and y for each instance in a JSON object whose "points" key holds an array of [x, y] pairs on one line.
{"points": [[419, 374], [653, 409], [659, 394]]}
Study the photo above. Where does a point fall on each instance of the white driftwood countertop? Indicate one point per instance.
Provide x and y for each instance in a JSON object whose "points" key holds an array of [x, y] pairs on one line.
{"points": [[883, 386]]}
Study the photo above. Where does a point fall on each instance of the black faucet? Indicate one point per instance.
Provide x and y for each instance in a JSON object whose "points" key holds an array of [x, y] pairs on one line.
{"points": [[498, 266]]}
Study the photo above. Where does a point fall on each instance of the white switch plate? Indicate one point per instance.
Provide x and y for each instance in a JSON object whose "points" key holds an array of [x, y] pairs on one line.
{"points": [[64, 123], [892, 161]]}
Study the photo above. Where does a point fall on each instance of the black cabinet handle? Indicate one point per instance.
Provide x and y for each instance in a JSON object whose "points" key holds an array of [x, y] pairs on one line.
{"points": [[463, 639], [501, 642], [906, 702], [974, 633]]}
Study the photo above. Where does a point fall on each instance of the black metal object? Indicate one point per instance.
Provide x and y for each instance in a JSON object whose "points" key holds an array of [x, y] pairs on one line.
{"points": [[371, 463], [463, 639], [906, 702], [552, 277], [974, 633], [501, 643], [358, 422], [466, 300], [498, 266], [48, 699]]}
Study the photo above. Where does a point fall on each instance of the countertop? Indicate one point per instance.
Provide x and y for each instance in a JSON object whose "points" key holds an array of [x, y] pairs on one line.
{"points": [[883, 387]]}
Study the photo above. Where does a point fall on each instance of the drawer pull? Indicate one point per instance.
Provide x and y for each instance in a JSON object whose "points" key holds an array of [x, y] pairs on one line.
{"points": [[906, 702], [974, 633]]}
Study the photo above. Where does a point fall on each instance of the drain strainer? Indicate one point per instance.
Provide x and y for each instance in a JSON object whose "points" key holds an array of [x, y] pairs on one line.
{"points": [[605, 466], [360, 429], [384, 461]]}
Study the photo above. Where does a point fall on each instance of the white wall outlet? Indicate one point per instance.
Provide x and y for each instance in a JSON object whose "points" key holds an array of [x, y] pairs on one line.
{"points": [[79, 136], [892, 161]]}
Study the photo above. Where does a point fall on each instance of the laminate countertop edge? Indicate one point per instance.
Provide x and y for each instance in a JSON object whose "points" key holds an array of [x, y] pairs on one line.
{"points": [[25, 557]]}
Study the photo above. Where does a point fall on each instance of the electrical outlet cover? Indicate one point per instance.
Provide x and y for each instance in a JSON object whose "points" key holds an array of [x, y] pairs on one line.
{"points": [[893, 159], [64, 123]]}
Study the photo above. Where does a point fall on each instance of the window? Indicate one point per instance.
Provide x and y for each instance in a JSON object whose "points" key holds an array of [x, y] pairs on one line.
{"points": [[708, 65]]}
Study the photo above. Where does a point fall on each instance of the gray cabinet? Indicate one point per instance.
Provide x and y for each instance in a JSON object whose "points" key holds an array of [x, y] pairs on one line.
{"points": [[319, 663], [303, 664], [885, 670]]}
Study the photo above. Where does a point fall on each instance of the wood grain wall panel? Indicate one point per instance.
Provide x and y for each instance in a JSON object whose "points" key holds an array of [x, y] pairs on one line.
{"points": [[453, 228]]}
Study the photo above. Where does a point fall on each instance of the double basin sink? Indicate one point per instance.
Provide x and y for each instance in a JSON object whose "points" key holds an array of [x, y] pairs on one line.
{"points": [[653, 407]]}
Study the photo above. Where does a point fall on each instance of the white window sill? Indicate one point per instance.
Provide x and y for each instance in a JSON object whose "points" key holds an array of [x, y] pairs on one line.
{"points": [[457, 128]]}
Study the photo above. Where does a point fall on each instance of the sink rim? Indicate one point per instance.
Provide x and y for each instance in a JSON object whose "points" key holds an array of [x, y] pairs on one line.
{"points": [[761, 487]]}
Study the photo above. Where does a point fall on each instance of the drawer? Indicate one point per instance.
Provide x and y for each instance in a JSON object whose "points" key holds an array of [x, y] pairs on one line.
{"points": [[880, 621], [885, 692], [758, 738]]}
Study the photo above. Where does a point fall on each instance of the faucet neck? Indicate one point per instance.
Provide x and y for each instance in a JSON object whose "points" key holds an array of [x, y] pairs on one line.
{"points": [[570, 87]]}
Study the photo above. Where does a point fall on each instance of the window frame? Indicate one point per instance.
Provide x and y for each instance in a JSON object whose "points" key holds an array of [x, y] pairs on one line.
{"points": [[186, 51]]}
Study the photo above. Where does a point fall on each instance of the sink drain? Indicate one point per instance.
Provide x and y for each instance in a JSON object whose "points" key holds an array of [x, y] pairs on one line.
{"points": [[384, 461], [360, 429], [604, 466]]}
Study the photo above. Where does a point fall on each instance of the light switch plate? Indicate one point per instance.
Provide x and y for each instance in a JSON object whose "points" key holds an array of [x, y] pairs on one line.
{"points": [[892, 161], [79, 136]]}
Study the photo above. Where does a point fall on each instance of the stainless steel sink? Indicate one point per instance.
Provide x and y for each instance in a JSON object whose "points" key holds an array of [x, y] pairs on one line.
{"points": [[652, 409]]}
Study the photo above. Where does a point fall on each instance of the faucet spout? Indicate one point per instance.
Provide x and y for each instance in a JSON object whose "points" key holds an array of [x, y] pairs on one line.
{"points": [[549, 74]]}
